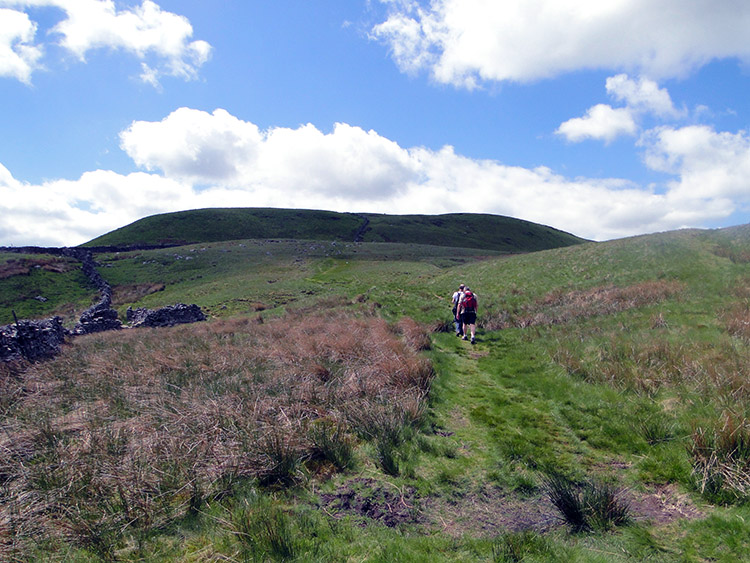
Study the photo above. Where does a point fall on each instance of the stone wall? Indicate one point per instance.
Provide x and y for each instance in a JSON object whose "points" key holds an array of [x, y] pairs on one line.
{"points": [[166, 316], [31, 340], [37, 340]]}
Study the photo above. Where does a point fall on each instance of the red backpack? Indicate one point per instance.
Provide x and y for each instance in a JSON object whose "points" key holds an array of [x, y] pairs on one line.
{"points": [[470, 302]]}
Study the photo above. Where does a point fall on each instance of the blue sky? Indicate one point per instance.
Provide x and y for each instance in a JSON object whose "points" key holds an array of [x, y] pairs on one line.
{"points": [[602, 119]]}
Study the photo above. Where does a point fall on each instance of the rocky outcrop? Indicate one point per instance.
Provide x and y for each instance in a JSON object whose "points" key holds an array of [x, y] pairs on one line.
{"points": [[166, 316], [31, 340]]}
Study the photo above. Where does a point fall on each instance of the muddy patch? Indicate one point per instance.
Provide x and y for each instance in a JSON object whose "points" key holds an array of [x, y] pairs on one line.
{"points": [[368, 500]]}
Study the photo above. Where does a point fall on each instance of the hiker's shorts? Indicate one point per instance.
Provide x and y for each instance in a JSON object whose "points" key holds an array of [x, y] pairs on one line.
{"points": [[469, 317]]}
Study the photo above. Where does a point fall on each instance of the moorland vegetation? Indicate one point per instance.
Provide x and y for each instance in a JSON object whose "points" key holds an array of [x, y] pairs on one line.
{"points": [[326, 412]]}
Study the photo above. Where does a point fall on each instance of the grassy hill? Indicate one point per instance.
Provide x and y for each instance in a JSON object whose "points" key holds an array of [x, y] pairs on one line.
{"points": [[488, 232], [301, 423]]}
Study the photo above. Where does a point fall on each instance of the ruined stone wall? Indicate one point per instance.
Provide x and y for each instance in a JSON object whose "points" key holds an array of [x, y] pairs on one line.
{"points": [[37, 340], [31, 340], [166, 316]]}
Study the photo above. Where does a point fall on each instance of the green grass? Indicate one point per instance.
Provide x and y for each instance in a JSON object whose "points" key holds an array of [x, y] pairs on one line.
{"points": [[48, 286]]}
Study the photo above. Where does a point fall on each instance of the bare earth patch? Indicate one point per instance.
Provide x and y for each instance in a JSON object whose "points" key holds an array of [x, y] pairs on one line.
{"points": [[493, 511], [23, 266], [486, 513], [489, 512], [369, 500], [663, 505]]}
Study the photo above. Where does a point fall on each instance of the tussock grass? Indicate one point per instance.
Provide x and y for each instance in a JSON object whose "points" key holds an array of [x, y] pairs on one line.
{"points": [[124, 433], [721, 457], [520, 546], [736, 317], [649, 362]]}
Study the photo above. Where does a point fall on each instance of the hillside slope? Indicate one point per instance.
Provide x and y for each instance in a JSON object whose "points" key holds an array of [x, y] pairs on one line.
{"points": [[487, 232], [621, 364]]}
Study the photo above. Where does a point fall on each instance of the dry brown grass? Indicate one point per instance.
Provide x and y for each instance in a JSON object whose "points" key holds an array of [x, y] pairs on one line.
{"points": [[124, 431], [736, 318], [23, 266], [715, 370], [647, 364], [721, 456], [132, 293], [561, 307]]}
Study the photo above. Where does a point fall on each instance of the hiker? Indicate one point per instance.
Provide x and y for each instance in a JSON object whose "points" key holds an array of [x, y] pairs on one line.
{"points": [[456, 319], [467, 312]]}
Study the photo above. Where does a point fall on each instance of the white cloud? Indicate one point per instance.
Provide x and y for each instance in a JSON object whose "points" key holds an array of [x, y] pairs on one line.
{"points": [[194, 145], [642, 95], [466, 42], [161, 39], [197, 159], [220, 149], [711, 166], [602, 122], [18, 55], [69, 212], [605, 123]]}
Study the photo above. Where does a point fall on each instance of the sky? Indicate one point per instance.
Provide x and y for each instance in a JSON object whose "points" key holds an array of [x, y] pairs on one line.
{"points": [[602, 119]]}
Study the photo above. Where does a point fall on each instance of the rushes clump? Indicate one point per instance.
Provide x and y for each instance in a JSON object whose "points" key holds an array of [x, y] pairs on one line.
{"points": [[332, 443], [590, 506]]}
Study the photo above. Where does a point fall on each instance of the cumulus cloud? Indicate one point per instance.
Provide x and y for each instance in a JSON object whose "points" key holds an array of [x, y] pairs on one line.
{"points": [[467, 42], [194, 145], [218, 148], [711, 166], [195, 159], [162, 40], [602, 122], [69, 212], [18, 55], [642, 95], [605, 123]]}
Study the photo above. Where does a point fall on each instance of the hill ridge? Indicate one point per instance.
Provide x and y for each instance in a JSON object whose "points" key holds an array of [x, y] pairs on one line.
{"points": [[468, 230]]}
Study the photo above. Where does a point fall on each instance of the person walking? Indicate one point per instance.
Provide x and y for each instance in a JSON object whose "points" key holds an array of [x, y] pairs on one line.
{"points": [[457, 295], [467, 312]]}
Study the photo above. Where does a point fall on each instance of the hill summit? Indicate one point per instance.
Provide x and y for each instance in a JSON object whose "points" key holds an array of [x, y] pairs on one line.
{"points": [[465, 230]]}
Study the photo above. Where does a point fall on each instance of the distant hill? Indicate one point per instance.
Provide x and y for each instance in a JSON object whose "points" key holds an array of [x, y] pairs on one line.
{"points": [[466, 230]]}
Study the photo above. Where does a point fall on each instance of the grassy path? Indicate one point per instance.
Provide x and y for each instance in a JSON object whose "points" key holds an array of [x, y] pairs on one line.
{"points": [[513, 416]]}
